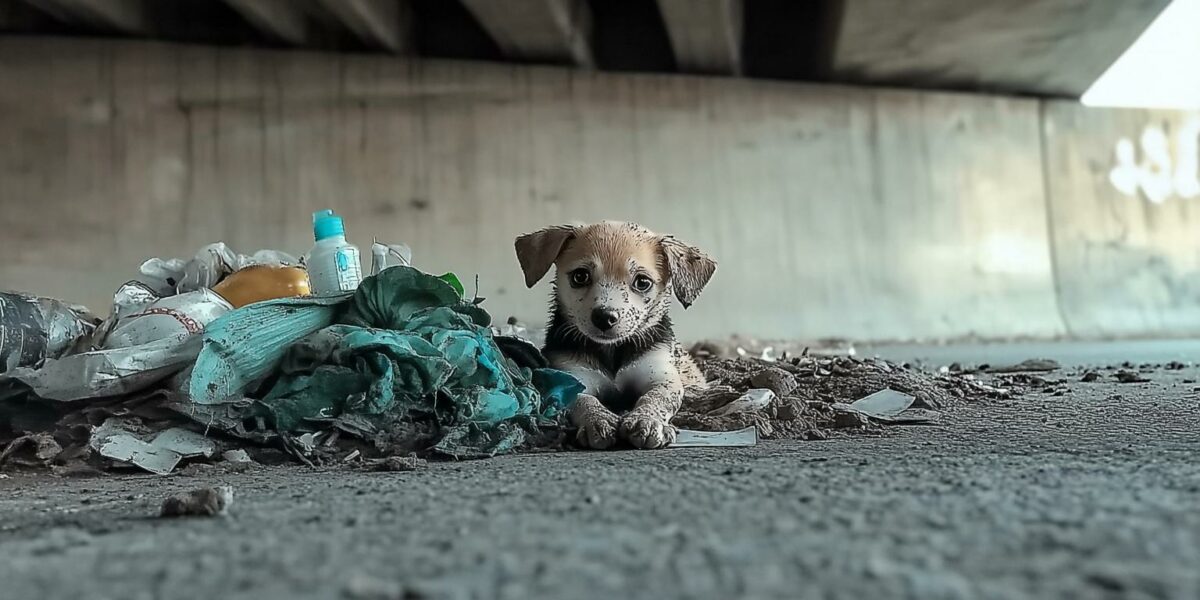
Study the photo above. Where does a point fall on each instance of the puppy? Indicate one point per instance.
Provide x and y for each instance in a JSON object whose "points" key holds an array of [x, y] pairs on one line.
{"points": [[609, 324]]}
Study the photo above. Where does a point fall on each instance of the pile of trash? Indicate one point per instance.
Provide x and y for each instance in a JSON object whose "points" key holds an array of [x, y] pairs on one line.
{"points": [[226, 356]]}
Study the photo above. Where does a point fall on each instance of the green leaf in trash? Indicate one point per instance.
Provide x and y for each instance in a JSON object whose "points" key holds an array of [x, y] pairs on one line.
{"points": [[452, 279]]}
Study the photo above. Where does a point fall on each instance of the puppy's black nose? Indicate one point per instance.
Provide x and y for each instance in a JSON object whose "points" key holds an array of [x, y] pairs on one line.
{"points": [[604, 319]]}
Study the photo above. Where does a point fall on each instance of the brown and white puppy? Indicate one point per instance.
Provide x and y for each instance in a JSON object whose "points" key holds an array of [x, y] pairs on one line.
{"points": [[609, 324]]}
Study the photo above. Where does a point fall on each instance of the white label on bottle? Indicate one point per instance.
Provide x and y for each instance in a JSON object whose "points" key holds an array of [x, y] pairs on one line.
{"points": [[349, 272]]}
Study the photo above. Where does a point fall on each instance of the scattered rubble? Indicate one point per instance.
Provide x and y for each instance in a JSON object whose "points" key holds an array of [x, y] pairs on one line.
{"points": [[807, 396], [770, 350], [236, 457], [753, 400], [398, 463], [203, 502], [31, 450], [811, 395], [775, 379], [1125, 376], [1032, 365]]}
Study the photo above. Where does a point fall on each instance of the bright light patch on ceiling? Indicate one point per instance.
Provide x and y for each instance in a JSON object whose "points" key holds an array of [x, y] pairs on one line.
{"points": [[1162, 67]]}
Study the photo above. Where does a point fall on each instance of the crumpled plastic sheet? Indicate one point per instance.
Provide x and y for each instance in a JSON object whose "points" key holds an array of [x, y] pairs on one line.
{"points": [[406, 347], [102, 373], [166, 277], [180, 315], [130, 298], [138, 350], [33, 329]]}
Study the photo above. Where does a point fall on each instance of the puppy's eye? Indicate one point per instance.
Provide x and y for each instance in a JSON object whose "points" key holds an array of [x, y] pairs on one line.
{"points": [[580, 277], [642, 284]]}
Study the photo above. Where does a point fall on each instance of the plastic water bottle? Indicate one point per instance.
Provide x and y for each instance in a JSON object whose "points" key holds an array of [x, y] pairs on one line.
{"points": [[333, 263]]}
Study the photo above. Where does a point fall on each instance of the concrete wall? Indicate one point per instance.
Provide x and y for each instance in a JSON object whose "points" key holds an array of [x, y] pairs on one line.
{"points": [[869, 214], [1125, 223]]}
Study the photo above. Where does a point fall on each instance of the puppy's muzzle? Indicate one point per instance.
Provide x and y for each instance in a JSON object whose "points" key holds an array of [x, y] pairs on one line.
{"points": [[604, 319]]}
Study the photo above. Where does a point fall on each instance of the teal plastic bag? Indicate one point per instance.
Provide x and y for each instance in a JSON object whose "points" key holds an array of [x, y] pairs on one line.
{"points": [[246, 345], [410, 348]]}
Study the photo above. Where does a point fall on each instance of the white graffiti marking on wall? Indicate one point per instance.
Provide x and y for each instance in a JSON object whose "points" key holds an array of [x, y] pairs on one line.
{"points": [[1161, 173]]}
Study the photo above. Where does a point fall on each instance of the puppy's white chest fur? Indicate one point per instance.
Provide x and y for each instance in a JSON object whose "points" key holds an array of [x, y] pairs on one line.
{"points": [[664, 365]]}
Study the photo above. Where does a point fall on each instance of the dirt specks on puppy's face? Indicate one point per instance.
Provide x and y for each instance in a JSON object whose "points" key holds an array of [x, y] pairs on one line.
{"points": [[614, 279]]}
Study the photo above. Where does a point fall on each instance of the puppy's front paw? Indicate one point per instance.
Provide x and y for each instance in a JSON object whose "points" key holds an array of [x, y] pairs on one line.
{"points": [[645, 430], [597, 425], [598, 431]]}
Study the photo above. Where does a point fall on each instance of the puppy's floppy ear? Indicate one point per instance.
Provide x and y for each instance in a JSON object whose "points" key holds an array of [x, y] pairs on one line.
{"points": [[689, 268], [537, 251]]}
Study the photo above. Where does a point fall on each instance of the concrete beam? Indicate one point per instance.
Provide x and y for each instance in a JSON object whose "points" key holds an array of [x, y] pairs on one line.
{"points": [[128, 16], [1052, 47], [705, 34], [541, 30], [18, 16], [281, 19], [385, 24]]}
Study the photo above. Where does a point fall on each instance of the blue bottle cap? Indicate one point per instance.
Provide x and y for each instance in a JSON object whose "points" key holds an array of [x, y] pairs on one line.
{"points": [[327, 225]]}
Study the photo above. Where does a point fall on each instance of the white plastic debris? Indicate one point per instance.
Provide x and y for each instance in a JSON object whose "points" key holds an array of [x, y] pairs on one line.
{"points": [[185, 442], [512, 328], [33, 329], [751, 401], [126, 448], [384, 256], [889, 406], [177, 316], [167, 277], [115, 440], [130, 298], [884, 403], [741, 438], [118, 439]]}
